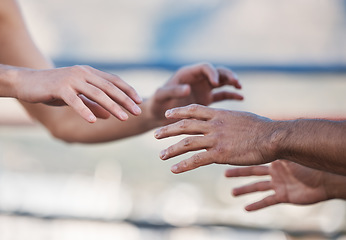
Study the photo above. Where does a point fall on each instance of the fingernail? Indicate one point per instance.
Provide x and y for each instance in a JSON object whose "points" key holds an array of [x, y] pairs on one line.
{"points": [[157, 133], [163, 154], [168, 113], [174, 168], [123, 116], [136, 109], [92, 118], [139, 99]]}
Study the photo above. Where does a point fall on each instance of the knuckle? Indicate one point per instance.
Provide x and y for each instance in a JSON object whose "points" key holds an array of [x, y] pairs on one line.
{"points": [[196, 159], [218, 123], [81, 69], [183, 124], [193, 107], [184, 164], [206, 65], [219, 150], [187, 142], [95, 92]]}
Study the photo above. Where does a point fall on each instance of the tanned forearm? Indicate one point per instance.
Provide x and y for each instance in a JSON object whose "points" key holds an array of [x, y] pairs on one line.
{"points": [[319, 144]]}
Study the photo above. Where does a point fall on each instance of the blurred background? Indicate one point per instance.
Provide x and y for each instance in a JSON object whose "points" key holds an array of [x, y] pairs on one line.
{"points": [[290, 57]]}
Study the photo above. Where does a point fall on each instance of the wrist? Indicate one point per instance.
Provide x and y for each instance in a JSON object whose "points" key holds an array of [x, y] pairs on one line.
{"points": [[148, 118], [9, 82], [278, 134]]}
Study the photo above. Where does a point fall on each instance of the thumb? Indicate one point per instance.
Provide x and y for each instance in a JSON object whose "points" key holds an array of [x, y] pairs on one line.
{"points": [[169, 92]]}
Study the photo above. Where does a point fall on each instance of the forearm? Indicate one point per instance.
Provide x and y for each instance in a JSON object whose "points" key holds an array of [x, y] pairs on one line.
{"points": [[102, 130], [319, 144], [335, 186], [18, 49]]}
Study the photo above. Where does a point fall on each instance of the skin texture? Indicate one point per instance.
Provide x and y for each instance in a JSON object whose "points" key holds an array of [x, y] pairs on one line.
{"points": [[242, 138], [190, 84], [69, 86], [292, 183]]}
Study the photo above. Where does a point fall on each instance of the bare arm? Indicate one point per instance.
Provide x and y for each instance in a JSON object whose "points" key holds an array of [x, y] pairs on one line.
{"points": [[316, 143], [61, 86], [190, 84], [241, 138]]}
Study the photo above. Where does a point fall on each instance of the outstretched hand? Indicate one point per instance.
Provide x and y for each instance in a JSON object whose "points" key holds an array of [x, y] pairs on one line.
{"points": [[193, 84], [228, 137], [291, 182], [90, 92]]}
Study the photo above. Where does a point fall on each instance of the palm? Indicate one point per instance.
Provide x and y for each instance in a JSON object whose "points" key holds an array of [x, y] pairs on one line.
{"points": [[201, 89], [291, 182], [193, 84], [294, 183]]}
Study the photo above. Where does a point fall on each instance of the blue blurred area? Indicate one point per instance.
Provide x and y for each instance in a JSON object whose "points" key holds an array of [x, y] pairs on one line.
{"points": [[178, 24], [233, 32]]}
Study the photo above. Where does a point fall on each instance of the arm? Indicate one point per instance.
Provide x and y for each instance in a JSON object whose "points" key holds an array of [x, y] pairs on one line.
{"points": [[190, 84], [291, 183], [55, 86], [241, 138]]}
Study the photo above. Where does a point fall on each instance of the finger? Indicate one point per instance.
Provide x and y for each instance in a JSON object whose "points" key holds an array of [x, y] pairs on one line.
{"points": [[114, 93], [224, 95], [72, 100], [191, 111], [247, 171], [97, 110], [186, 145], [121, 84], [266, 202], [197, 160], [212, 74], [169, 92], [202, 71], [254, 187], [185, 126], [227, 77], [101, 98]]}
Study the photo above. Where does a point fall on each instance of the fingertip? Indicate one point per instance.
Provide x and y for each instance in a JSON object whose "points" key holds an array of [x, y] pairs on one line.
{"points": [[136, 110], [234, 193], [91, 118], [123, 116], [174, 169], [168, 113], [247, 209], [215, 80], [156, 134], [163, 155], [138, 99], [186, 89]]}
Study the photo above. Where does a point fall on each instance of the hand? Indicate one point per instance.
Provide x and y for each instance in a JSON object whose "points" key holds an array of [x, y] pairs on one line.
{"points": [[228, 137], [291, 182], [193, 84], [88, 91]]}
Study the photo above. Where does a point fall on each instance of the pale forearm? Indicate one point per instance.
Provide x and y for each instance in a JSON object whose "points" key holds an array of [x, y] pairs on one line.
{"points": [[319, 144], [102, 130], [18, 49]]}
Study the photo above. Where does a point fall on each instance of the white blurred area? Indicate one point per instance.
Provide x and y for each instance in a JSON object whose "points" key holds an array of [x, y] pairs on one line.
{"points": [[52, 190]]}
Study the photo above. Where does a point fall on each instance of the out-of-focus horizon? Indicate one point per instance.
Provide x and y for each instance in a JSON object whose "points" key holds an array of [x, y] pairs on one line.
{"points": [[125, 194], [246, 31]]}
